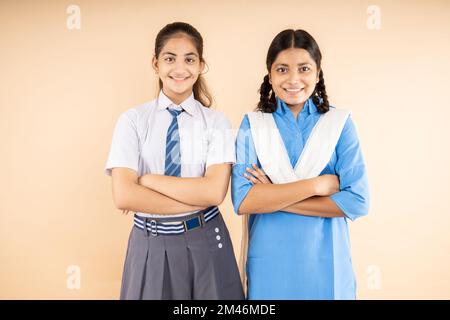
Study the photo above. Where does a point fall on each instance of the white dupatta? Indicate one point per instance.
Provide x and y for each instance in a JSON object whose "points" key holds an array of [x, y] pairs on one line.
{"points": [[274, 159]]}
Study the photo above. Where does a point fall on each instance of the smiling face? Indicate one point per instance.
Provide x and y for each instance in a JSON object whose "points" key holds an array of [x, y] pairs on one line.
{"points": [[178, 66], [294, 76]]}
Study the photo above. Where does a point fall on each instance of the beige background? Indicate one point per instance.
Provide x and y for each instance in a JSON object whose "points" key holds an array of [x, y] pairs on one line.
{"points": [[61, 92]]}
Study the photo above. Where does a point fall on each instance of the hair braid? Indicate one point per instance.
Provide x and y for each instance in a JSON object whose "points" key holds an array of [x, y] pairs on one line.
{"points": [[319, 96], [267, 101]]}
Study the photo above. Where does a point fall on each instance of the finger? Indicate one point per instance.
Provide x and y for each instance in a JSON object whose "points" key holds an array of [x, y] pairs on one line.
{"points": [[252, 179], [261, 174], [258, 176], [259, 170], [253, 172]]}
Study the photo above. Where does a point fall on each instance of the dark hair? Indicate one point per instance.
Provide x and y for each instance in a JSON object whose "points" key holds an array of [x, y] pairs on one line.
{"points": [[201, 92], [292, 39]]}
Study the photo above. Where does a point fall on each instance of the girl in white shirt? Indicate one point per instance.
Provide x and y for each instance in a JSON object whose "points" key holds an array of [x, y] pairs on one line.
{"points": [[170, 162]]}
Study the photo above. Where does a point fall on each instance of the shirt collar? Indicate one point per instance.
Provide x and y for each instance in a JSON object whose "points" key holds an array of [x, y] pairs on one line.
{"points": [[188, 105], [309, 107]]}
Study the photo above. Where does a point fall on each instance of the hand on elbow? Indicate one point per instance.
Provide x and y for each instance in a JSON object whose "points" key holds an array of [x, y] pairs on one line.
{"points": [[326, 185]]}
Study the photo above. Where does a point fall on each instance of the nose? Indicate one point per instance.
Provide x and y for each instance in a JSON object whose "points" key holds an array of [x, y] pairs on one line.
{"points": [[180, 67], [294, 77]]}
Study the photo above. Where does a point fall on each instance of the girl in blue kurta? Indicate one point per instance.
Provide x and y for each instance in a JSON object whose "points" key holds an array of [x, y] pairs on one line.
{"points": [[298, 240]]}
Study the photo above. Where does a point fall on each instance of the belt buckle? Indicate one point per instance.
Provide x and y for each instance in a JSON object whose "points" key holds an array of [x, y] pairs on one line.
{"points": [[200, 223], [153, 228]]}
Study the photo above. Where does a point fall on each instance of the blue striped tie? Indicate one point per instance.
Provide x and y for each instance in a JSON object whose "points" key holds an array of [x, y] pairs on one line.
{"points": [[173, 161]]}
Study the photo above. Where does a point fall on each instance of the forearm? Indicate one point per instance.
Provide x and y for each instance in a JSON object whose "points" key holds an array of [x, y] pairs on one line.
{"points": [[141, 199], [198, 191], [316, 207], [266, 198]]}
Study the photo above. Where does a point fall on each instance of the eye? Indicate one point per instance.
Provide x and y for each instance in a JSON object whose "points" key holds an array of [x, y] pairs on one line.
{"points": [[190, 60], [305, 69], [169, 59], [281, 69]]}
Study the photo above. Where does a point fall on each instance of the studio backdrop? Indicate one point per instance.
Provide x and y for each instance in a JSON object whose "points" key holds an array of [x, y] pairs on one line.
{"points": [[70, 68]]}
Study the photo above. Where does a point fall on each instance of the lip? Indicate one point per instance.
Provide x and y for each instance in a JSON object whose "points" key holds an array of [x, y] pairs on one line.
{"points": [[293, 91], [179, 79]]}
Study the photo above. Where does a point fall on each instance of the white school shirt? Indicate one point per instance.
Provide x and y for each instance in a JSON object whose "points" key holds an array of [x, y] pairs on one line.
{"points": [[206, 138]]}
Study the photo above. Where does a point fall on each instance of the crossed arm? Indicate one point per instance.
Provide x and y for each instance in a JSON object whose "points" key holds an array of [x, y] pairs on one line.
{"points": [[169, 195], [308, 197]]}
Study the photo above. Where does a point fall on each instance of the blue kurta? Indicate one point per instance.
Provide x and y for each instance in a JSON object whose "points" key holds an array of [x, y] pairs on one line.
{"points": [[291, 256]]}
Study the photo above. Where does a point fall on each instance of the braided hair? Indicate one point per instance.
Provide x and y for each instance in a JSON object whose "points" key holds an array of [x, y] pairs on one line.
{"points": [[292, 39]]}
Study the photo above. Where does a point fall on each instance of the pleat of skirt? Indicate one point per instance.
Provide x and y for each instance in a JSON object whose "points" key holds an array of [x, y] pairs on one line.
{"points": [[196, 265]]}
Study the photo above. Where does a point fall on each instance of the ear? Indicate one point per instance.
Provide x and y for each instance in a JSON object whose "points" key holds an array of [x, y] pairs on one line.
{"points": [[202, 66], [155, 64], [318, 76], [270, 79]]}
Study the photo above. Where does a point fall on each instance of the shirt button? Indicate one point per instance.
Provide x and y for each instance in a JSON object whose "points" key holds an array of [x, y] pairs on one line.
{"points": [[216, 230], [219, 245], [218, 237]]}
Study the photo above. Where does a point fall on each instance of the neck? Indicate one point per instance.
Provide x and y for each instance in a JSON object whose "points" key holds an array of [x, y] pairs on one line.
{"points": [[177, 98], [296, 109]]}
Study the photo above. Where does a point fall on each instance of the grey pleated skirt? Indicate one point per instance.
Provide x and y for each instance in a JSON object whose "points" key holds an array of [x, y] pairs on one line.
{"points": [[198, 264]]}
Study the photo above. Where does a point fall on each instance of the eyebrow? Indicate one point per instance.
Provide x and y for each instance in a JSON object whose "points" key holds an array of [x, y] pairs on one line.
{"points": [[298, 64], [173, 54]]}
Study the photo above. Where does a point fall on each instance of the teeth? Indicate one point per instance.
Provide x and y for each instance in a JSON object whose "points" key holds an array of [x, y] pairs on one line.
{"points": [[175, 78], [292, 90]]}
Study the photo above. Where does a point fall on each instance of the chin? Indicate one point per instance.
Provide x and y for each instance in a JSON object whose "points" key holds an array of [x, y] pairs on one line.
{"points": [[180, 90], [294, 101]]}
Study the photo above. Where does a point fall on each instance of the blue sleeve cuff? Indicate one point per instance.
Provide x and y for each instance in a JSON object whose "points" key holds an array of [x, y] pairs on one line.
{"points": [[352, 205], [240, 186]]}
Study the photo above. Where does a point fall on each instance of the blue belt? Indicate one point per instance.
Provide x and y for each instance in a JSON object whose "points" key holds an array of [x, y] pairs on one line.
{"points": [[177, 227]]}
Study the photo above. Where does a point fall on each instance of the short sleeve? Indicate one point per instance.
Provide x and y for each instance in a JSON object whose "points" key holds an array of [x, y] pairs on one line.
{"points": [[220, 141], [124, 151], [245, 156], [353, 199]]}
